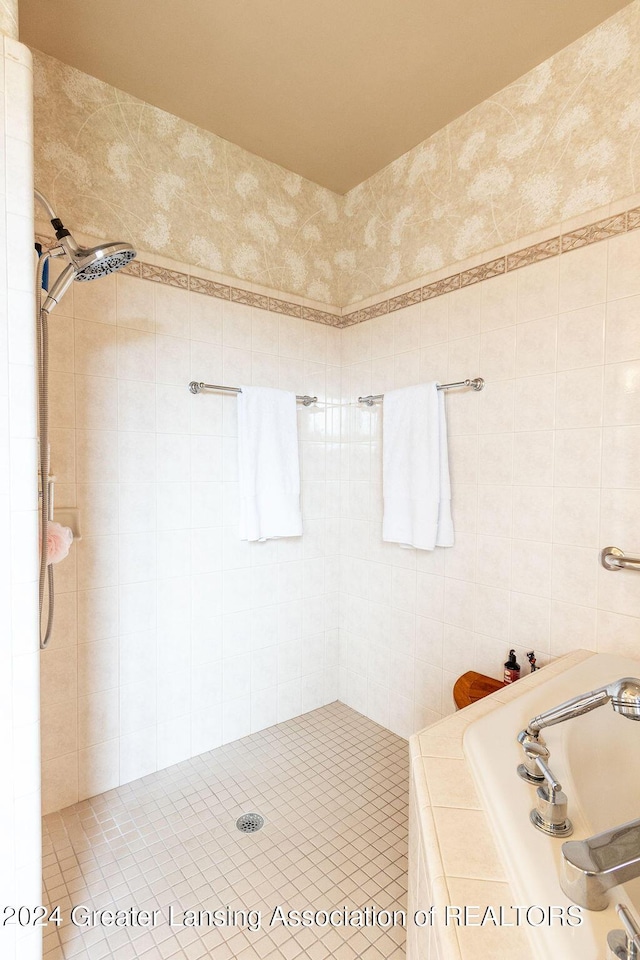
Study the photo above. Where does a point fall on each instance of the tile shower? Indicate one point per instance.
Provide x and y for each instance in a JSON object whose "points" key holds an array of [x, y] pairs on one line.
{"points": [[177, 648], [172, 636], [278, 631]]}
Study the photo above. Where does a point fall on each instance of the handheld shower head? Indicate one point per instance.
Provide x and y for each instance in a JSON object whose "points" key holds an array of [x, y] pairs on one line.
{"points": [[625, 697], [85, 263], [93, 262], [623, 694]]}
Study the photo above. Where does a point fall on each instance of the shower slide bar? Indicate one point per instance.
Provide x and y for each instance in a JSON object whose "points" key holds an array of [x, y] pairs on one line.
{"points": [[477, 383], [196, 387]]}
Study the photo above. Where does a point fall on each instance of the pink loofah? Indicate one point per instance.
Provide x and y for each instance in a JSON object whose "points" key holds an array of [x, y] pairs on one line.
{"points": [[59, 540]]}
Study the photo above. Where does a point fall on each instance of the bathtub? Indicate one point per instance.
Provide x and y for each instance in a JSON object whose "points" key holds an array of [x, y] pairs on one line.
{"points": [[596, 757]]}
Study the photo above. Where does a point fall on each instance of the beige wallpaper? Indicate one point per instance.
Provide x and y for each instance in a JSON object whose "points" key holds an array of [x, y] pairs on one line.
{"points": [[559, 142], [117, 167]]}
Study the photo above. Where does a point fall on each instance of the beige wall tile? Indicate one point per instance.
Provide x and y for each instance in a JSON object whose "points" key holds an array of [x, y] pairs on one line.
{"points": [[135, 303], [59, 782], [624, 264], [98, 717], [583, 277], [172, 311], [136, 355], [579, 398], [98, 769], [581, 337], [59, 729], [622, 393], [538, 291], [623, 330], [536, 347], [95, 349], [96, 301], [97, 666]]}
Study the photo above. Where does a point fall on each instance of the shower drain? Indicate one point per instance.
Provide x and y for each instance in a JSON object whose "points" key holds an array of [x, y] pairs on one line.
{"points": [[250, 822]]}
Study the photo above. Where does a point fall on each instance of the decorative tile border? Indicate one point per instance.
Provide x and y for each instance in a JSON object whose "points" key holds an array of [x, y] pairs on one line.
{"points": [[484, 272], [533, 254], [284, 306], [436, 289], [405, 300], [366, 313], [602, 230], [553, 247], [210, 288]]}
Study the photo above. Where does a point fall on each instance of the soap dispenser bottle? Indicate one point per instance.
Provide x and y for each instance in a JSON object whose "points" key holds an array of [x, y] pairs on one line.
{"points": [[511, 668]]}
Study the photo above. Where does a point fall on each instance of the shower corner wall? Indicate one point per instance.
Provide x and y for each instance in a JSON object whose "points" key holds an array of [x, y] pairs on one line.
{"points": [[20, 856]]}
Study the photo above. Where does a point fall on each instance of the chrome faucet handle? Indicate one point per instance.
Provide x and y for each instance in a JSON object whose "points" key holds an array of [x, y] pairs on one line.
{"points": [[550, 813], [624, 944], [534, 748]]}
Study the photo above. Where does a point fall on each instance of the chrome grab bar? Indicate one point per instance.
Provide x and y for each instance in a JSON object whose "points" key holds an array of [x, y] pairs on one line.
{"points": [[624, 944], [612, 558]]}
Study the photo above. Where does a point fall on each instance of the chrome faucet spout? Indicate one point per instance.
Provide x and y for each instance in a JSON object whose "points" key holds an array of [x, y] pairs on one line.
{"points": [[594, 866]]}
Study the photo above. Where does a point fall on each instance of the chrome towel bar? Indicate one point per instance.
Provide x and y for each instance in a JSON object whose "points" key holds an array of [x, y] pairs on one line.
{"points": [[477, 383], [196, 387]]}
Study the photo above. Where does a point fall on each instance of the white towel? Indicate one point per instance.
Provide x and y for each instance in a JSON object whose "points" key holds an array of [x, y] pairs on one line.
{"points": [[415, 481], [268, 465]]}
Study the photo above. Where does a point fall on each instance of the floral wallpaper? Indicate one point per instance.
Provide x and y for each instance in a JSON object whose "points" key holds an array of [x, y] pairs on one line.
{"points": [[116, 167], [559, 142]]}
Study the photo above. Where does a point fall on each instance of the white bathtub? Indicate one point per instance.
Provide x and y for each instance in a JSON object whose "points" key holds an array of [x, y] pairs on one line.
{"points": [[596, 757]]}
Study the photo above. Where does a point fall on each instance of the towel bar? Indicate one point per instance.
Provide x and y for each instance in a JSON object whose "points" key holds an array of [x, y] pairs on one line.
{"points": [[477, 383], [612, 558], [196, 386]]}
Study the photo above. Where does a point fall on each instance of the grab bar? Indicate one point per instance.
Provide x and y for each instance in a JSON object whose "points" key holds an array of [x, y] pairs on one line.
{"points": [[612, 558], [624, 944]]}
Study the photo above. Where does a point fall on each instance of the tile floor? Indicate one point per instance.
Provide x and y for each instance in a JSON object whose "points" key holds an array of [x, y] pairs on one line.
{"points": [[332, 787]]}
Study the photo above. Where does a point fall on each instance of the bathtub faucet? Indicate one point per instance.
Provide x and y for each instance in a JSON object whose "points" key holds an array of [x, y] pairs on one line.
{"points": [[624, 696], [593, 866]]}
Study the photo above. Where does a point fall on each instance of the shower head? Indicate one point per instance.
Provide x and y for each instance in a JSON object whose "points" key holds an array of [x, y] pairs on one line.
{"points": [[93, 262], [625, 697], [85, 263]]}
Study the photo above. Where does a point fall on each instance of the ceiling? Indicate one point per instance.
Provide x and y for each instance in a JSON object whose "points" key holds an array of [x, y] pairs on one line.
{"points": [[332, 89]]}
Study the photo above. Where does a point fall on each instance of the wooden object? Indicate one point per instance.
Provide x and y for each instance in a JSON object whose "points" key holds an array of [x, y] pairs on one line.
{"points": [[472, 686]]}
